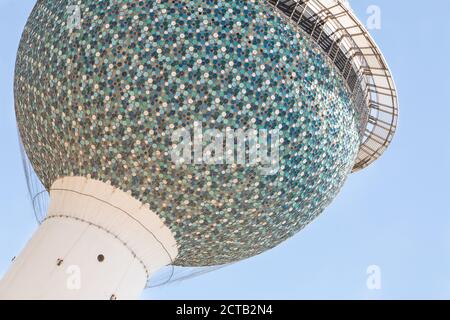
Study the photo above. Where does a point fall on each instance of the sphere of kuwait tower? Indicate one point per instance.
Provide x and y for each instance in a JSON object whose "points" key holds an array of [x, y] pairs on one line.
{"points": [[102, 88]]}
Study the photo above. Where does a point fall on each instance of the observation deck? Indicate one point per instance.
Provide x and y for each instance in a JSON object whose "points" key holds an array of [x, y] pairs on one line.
{"points": [[349, 46]]}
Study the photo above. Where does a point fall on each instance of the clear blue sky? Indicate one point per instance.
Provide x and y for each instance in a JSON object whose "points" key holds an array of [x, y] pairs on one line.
{"points": [[394, 214]]}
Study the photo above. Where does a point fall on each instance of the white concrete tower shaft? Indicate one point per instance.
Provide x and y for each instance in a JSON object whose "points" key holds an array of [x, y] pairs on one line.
{"points": [[97, 242]]}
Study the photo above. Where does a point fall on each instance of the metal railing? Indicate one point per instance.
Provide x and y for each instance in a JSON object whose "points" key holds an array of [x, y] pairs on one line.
{"points": [[348, 45]]}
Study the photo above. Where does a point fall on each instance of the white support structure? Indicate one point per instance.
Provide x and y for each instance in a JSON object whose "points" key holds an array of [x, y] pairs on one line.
{"points": [[98, 242]]}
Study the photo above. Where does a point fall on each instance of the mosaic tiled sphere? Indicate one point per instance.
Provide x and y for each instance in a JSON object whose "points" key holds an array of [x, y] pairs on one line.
{"points": [[96, 99]]}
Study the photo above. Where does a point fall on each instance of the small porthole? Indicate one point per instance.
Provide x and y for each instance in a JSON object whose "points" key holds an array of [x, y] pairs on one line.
{"points": [[100, 258]]}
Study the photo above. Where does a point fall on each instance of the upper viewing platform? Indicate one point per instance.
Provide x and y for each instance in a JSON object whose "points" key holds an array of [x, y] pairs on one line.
{"points": [[335, 28]]}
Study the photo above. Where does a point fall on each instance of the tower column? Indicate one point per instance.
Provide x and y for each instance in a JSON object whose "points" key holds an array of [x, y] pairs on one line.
{"points": [[97, 242]]}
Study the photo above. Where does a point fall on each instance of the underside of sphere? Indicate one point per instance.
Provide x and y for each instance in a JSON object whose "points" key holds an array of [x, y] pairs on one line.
{"points": [[100, 84]]}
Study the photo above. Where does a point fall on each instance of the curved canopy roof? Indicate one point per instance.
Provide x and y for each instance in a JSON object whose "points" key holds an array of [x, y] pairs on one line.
{"points": [[333, 25]]}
